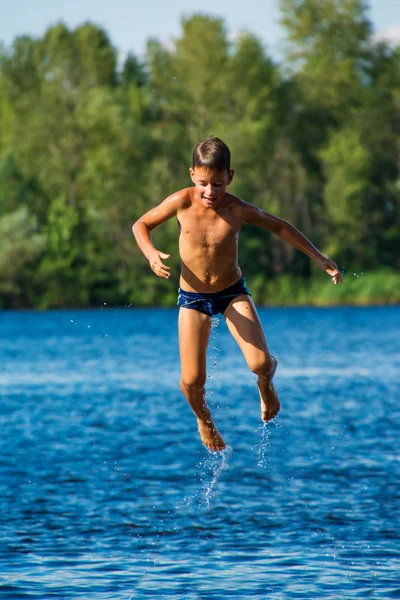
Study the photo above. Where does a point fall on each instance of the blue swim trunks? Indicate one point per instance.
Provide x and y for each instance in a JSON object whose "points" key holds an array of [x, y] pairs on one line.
{"points": [[213, 303]]}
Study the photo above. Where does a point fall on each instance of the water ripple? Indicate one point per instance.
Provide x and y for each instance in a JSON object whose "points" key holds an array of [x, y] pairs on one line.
{"points": [[106, 491]]}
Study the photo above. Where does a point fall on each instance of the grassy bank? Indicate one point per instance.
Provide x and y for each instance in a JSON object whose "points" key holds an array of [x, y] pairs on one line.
{"points": [[361, 289]]}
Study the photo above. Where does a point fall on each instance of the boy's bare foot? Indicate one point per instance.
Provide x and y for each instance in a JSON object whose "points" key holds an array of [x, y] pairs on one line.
{"points": [[270, 404], [210, 435]]}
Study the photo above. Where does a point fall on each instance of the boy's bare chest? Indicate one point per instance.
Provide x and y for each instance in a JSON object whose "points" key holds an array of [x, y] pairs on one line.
{"points": [[207, 231]]}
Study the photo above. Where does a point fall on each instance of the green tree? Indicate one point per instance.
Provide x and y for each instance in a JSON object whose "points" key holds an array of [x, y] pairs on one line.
{"points": [[329, 44], [85, 148], [22, 245], [346, 165], [17, 189]]}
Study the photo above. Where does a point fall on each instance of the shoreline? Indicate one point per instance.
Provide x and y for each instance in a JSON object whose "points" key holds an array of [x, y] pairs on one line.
{"points": [[259, 305], [381, 288]]}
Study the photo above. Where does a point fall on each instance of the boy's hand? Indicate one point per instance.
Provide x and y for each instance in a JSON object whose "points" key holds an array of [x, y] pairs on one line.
{"points": [[330, 267], [157, 265]]}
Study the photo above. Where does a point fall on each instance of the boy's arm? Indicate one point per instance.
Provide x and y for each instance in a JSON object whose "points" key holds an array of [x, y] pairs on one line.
{"points": [[288, 233], [154, 217]]}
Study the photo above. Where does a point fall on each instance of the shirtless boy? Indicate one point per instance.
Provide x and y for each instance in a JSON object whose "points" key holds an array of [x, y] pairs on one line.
{"points": [[211, 281]]}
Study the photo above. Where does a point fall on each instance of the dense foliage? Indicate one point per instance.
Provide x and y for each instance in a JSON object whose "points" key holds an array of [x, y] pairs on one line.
{"points": [[87, 145]]}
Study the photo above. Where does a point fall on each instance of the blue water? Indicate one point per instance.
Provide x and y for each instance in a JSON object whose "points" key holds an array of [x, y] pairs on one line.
{"points": [[107, 493]]}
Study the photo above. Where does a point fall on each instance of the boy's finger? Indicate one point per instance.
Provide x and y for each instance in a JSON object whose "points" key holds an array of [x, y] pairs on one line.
{"points": [[338, 276], [163, 271]]}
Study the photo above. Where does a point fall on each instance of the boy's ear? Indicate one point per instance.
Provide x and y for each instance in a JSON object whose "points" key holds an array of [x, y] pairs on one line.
{"points": [[230, 176], [191, 171]]}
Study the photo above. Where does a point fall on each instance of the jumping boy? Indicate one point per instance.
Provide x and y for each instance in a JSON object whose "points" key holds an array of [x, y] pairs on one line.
{"points": [[211, 282]]}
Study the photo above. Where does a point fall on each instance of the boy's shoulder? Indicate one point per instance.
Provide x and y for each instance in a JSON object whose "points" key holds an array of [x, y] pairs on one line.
{"points": [[183, 198], [234, 200], [236, 203]]}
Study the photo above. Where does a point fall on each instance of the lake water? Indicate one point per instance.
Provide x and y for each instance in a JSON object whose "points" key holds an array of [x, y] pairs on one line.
{"points": [[107, 493]]}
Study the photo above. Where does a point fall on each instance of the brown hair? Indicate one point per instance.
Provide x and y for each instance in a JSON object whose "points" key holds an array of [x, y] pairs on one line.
{"points": [[212, 153]]}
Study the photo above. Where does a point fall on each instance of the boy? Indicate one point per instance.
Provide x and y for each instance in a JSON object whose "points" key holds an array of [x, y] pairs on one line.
{"points": [[211, 282]]}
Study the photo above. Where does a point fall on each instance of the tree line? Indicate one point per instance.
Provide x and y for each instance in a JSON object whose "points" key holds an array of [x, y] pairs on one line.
{"points": [[88, 144]]}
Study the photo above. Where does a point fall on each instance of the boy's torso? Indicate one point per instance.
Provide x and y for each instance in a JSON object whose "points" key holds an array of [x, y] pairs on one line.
{"points": [[208, 244]]}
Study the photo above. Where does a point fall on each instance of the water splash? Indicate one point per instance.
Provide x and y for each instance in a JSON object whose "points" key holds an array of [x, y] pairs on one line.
{"points": [[210, 471], [263, 448], [215, 320]]}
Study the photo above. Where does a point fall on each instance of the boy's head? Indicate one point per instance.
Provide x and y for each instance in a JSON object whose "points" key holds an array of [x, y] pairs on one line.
{"points": [[211, 171], [212, 154]]}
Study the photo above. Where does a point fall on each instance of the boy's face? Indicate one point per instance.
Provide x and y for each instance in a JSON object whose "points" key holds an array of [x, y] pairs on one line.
{"points": [[210, 185]]}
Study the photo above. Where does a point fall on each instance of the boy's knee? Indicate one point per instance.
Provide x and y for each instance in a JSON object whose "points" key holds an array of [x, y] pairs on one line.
{"points": [[265, 366], [193, 383]]}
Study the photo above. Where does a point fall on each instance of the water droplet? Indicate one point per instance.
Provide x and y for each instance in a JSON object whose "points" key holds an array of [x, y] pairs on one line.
{"points": [[262, 450]]}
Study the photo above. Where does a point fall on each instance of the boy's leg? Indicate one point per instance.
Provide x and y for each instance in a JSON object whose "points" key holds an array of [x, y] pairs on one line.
{"points": [[194, 333], [245, 326]]}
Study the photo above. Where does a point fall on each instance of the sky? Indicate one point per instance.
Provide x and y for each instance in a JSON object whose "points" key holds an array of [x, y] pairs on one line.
{"points": [[130, 23]]}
